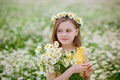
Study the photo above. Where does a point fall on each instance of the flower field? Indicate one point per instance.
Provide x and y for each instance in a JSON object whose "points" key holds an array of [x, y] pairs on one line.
{"points": [[24, 24]]}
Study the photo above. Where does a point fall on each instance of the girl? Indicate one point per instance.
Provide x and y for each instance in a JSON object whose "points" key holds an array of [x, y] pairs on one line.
{"points": [[67, 32]]}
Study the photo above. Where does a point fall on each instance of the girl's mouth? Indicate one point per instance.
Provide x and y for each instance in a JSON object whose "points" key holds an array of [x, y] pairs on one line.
{"points": [[64, 39]]}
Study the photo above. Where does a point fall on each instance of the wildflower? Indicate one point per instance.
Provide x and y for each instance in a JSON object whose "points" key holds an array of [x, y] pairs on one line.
{"points": [[37, 50], [47, 46], [56, 44]]}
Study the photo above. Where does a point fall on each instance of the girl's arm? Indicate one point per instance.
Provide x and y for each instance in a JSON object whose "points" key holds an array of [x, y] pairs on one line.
{"points": [[78, 68]]}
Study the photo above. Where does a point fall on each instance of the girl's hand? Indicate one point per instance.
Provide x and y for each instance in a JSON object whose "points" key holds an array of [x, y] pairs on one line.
{"points": [[88, 71], [79, 68], [50, 76]]}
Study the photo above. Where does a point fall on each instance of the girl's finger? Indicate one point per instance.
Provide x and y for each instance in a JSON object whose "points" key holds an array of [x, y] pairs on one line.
{"points": [[91, 68], [85, 67], [90, 65], [84, 64]]}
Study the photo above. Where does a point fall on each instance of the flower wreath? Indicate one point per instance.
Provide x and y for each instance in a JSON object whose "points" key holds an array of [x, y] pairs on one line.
{"points": [[67, 15]]}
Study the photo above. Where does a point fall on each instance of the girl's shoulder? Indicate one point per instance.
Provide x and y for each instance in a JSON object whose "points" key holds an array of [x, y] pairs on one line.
{"points": [[80, 55], [81, 48], [83, 52]]}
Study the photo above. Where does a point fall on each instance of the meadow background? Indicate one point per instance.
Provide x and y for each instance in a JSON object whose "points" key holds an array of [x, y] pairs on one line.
{"points": [[24, 24]]}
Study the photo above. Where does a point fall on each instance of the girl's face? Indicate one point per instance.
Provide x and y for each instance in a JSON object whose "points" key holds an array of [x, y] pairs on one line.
{"points": [[66, 33]]}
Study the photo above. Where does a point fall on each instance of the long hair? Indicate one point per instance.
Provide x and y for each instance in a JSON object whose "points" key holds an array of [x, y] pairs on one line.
{"points": [[76, 41]]}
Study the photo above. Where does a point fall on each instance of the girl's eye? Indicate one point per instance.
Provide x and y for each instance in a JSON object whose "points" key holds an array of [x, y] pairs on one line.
{"points": [[59, 31], [68, 30]]}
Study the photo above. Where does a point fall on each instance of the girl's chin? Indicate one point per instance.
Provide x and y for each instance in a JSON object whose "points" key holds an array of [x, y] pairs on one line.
{"points": [[65, 43]]}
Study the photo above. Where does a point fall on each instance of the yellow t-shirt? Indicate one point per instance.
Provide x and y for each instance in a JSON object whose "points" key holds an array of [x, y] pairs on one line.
{"points": [[79, 56]]}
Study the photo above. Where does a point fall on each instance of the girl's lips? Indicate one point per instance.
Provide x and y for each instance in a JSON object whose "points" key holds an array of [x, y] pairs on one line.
{"points": [[64, 38]]}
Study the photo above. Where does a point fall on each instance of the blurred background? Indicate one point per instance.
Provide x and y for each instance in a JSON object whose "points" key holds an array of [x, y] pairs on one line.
{"points": [[24, 24]]}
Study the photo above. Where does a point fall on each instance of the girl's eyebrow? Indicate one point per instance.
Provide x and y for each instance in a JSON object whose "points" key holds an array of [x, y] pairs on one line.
{"points": [[59, 29]]}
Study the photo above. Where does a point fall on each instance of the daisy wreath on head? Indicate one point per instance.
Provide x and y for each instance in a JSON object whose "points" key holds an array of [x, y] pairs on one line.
{"points": [[67, 15]]}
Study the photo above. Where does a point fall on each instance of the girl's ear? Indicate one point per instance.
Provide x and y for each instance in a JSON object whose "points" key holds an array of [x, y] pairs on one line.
{"points": [[77, 30]]}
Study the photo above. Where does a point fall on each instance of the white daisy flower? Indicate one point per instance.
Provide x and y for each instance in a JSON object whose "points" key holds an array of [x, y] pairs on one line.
{"points": [[37, 50], [56, 44], [47, 46]]}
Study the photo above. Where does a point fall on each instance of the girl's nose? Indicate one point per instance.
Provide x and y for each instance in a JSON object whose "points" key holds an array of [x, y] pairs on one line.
{"points": [[63, 34]]}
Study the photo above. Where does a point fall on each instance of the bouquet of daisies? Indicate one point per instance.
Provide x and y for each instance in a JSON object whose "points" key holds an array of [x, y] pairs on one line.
{"points": [[56, 60]]}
